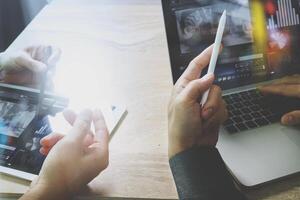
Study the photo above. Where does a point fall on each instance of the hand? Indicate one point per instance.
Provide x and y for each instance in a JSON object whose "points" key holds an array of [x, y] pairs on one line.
{"points": [[190, 124], [288, 86], [25, 67], [49, 141], [72, 163]]}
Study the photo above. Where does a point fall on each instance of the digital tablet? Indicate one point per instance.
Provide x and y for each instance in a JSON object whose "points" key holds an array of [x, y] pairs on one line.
{"points": [[21, 129]]}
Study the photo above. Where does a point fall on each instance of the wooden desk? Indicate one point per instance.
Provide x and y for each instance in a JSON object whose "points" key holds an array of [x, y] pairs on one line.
{"points": [[116, 51]]}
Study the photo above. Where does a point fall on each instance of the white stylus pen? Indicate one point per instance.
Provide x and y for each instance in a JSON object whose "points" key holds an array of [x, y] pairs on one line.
{"points": [[215, 53]]}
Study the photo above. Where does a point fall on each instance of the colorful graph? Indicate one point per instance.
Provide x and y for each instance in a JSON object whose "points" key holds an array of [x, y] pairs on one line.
{"points": [[285, 15]]}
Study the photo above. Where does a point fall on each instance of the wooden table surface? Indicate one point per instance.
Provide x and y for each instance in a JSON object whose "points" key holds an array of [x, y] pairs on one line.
{"points": [[116, 51]]}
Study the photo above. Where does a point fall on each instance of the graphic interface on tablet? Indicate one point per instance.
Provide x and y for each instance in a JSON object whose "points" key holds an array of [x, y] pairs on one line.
{"points": [[15, 117], [21, 131], [260, 38]]}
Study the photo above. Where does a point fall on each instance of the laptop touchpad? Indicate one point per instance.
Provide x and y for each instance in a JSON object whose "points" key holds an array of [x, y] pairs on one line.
{"points": [[293, 133]]}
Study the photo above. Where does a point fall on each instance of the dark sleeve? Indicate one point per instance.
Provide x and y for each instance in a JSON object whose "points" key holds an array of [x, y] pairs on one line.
{"points": [[201, 174]]}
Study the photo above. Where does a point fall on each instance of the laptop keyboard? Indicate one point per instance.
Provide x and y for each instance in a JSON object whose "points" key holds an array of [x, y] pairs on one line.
{"points": [[250, 109]]}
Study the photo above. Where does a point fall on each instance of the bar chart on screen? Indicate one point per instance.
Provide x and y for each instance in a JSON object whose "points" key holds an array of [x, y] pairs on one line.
{"points": [[284, 14]]}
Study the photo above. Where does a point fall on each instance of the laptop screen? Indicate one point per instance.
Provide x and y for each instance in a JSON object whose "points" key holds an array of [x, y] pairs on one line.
{"points": [[260, 38]]}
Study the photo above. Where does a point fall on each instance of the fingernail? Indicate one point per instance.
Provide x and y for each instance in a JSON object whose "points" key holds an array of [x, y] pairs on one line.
{"points": [[207, 113], [288, 120], [43, 141]]}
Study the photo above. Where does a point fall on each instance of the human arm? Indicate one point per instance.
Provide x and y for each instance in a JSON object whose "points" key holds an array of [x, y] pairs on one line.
{"points": [[288, 86], [198, 169], [25, 67], [72, 163], [201, 174]]}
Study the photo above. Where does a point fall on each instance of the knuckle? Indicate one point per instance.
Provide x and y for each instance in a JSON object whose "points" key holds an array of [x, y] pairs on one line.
{"points": [[179, 101], [82, 125], [217, 88], [218, 91], [195, 84], [193, 62]]}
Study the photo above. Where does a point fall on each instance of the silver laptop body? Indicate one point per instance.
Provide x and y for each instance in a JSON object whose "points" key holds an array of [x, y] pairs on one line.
{"points": [[262, 154]]}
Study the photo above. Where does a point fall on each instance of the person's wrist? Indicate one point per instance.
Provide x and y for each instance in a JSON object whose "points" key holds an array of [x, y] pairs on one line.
{"points": [[178, 147], [45, 191]]}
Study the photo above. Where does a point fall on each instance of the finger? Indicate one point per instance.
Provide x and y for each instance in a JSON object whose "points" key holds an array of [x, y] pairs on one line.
{"points": [[210, 135], [98, 151], [292, 118], [23, 77], [51, 139], [101, 132], [41, 53], [217, 118], [294, 79], [81, 126], [44, 151], [70, 116], [213, 102], [282, 89], [54, 56], [196, 88], [27, 61], [195, 67]]}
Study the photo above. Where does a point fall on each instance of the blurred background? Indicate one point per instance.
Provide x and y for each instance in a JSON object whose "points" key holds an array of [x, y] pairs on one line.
{"points": [[15, 15]]}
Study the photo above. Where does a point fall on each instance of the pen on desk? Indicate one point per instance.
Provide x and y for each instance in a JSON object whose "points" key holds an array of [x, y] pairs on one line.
{"points": [[215, 53]]}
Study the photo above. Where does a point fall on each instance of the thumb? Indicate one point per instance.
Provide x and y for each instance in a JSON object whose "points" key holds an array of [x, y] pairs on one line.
{"points": [[31, 64], [197, 87], [292, 118]]}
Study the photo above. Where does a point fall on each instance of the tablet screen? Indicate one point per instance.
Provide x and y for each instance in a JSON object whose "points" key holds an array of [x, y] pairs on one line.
{"points": [[15, 117], [21, 131]]}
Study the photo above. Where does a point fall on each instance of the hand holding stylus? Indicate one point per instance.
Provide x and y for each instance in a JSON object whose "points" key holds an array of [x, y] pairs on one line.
{"points": [[189, 123]]}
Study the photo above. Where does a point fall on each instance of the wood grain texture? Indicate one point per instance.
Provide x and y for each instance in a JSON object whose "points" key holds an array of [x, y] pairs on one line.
{"points": [[116, 51]]}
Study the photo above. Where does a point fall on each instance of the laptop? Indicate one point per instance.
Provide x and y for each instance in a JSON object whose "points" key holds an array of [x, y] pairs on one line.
{"points": [[260, 45]]}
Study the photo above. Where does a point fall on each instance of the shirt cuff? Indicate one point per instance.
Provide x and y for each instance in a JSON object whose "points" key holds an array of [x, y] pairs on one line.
{"points": [[200, 173]]}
